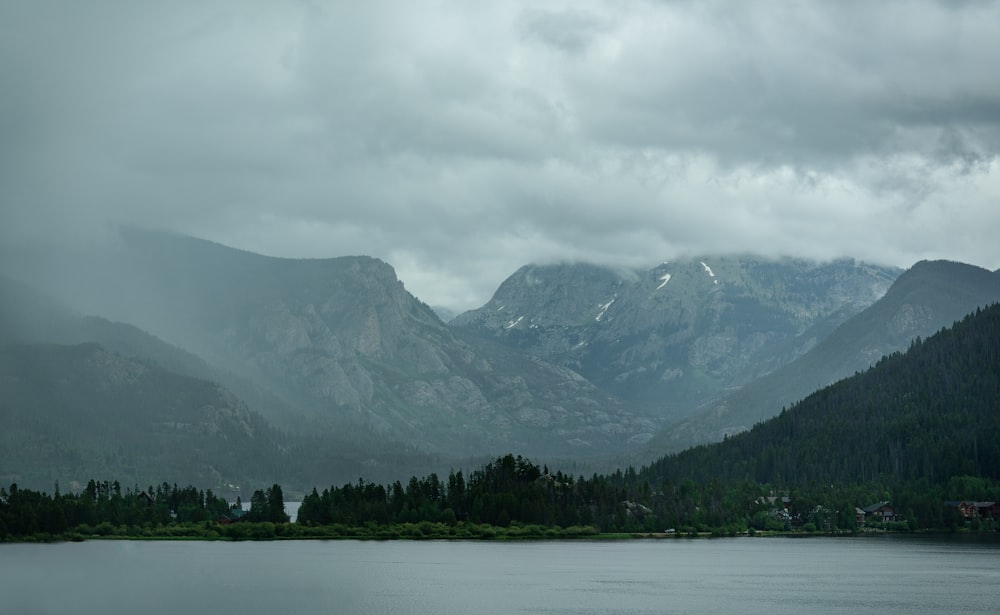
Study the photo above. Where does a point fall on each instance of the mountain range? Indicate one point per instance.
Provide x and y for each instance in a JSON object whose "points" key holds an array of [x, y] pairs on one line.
{"points": [[670, 338], [929, 296], [340, 371]]}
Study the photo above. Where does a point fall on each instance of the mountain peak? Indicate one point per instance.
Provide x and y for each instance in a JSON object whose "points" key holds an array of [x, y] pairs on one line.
{"points": [[945, 283], [943, 266], [674, 335]]}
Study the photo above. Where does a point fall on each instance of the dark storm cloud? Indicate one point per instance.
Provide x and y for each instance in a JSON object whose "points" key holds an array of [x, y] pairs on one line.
{"points": [[461, 140]]}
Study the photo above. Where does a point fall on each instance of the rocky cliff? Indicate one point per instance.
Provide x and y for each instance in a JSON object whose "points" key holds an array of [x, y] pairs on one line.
{"points": [[674, 336], [343, 342]]}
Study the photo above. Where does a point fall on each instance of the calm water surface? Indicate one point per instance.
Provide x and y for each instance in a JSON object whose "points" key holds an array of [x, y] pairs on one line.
{"points": [[739, 575]]}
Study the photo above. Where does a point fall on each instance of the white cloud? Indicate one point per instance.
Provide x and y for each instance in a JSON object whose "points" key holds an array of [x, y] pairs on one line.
{"points": [[458, 141]]}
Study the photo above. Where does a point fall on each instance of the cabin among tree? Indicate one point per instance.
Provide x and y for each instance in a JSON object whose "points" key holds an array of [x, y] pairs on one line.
{"points": [[149, 499], [778, 508], [975, 510], [235, 514], [880, 512], [859, 516]]}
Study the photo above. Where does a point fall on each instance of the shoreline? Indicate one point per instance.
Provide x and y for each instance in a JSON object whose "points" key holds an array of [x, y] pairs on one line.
{"points": [[285, 532]]}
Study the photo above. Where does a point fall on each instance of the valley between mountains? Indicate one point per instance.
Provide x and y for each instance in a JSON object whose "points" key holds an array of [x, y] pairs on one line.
{"points": [[163, 355]]}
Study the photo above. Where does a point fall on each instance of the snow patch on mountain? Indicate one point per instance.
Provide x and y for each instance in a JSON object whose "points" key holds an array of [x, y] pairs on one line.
{"points": [[665, 278], [514, 323], [603, 309], [710, 273]]}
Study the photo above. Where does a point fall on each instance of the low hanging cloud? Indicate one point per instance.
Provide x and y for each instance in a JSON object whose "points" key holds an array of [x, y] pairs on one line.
{"points": [[458, 141]]}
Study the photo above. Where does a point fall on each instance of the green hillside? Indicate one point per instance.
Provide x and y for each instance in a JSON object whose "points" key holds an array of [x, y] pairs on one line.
{"points": [[927, 415], [927, 297]]}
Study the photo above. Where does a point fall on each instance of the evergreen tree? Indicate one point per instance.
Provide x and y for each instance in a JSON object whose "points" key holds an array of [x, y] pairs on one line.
{"points": [[276, 505]]}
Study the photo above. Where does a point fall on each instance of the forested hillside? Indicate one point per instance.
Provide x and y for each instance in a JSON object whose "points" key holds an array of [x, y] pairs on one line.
{"points": [[927, 297], [926, 415]]}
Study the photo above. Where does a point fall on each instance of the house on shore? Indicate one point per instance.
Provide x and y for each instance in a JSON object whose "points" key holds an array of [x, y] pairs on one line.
{"points": [[149, 499], [234, 515], [859, 516], [879, 512], [970, 509]]}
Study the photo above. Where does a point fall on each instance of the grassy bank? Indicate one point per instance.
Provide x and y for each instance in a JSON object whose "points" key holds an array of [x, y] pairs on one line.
{"points": [[397, 531]]}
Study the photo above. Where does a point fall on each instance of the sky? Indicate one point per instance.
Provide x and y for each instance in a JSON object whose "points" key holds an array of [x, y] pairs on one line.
{"points": [[460, 140]]}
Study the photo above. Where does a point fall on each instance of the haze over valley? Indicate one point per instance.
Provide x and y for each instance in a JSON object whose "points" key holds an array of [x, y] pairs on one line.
{"points": [[164, 353]]}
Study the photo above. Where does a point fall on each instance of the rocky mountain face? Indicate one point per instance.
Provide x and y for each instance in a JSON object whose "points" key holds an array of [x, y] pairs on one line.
{"points": [[670, 338], [929, 296], [342, 342]]}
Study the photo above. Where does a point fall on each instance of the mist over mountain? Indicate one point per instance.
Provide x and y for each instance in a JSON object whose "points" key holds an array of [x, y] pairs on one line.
{"points": [[342, 342], [345, 373], [300, 161], [28, 314], [73, 412], [33, 325]]}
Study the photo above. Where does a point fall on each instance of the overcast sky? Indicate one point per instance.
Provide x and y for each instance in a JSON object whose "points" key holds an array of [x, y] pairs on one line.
{"points": [[460, 140]]}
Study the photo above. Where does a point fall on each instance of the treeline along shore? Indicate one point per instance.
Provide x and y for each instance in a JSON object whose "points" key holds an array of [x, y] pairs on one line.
{"points": [[509, 497]]}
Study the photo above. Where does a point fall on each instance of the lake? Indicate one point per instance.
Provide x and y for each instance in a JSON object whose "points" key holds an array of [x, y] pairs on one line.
{"points": [[733, 575]]}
